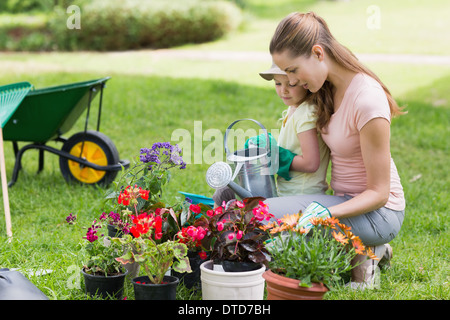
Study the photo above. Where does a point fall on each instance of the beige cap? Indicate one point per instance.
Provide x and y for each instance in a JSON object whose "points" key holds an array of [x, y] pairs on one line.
{"points": [[268, 74]]}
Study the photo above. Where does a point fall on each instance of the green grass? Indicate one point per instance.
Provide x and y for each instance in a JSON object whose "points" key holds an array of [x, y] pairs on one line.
{"points": [[149, 97]]}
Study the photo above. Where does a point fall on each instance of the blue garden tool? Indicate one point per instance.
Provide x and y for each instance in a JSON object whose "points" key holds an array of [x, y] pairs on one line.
{"points": [[10, 98]]}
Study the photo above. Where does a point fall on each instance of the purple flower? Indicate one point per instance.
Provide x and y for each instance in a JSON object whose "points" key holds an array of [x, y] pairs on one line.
{"points": [[71, 219], [91, 234], [163, 155]]}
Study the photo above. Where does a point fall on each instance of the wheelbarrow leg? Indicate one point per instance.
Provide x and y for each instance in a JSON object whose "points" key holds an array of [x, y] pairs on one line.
{"points": [[41, 160], [16, 149]]}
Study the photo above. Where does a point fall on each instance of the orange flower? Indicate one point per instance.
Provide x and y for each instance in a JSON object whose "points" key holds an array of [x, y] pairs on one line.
{"points": [[268, 226], [316, 221], [340, 237], [302, 230], [332, 220], [370, 254], [357, 244], [290, 220], [344, 227]]}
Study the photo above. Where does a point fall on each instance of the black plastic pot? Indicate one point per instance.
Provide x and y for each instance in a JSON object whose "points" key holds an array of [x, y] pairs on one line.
{"points": [[105, 287], [145, 290], [113, 232], [191, 279]]}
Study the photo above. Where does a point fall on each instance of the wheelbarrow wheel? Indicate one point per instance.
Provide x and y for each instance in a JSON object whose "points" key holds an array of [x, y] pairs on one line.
{"points": [[95, 147]]}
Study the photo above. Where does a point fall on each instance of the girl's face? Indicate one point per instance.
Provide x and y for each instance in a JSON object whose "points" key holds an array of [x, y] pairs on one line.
{"points": [[291, 95], [307, 72]]}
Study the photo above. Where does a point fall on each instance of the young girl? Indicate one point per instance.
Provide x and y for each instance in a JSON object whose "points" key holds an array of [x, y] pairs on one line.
{"points": [[298, 134]]}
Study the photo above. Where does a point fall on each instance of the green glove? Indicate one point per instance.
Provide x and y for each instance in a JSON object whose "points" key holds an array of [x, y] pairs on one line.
{"points": [[314, 210], [285, 156]]}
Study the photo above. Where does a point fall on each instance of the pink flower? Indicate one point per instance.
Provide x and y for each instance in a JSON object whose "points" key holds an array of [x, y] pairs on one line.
{"points": [[218, 210], [220, 226], [239, 234], [231, 236], [201, 232], [191, 231], [239, 204]]}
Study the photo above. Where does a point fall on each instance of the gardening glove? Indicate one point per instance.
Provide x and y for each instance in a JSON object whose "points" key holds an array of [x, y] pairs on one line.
{"points": [[285, 156], [314, 210]]}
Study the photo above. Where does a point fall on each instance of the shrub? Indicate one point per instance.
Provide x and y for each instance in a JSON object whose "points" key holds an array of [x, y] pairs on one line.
{"points": [[134, 24], [23, 32]]}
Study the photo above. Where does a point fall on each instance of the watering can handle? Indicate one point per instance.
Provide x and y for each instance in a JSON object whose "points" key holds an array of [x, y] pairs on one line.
{"points": [[225, 139]]}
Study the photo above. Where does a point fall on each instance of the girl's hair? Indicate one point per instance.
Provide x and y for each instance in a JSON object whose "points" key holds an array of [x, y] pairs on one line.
{"points": [[298, 33]]}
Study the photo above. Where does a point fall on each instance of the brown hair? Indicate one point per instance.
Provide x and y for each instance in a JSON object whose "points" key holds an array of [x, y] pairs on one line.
{"points": [[298, 33]]}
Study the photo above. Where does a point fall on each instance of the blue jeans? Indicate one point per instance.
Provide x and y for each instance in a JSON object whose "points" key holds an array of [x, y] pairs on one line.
{"points": [[373, 228]]}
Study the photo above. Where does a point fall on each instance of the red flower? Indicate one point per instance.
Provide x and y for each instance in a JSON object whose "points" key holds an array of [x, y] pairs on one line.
{"points": [[144, 193], [195, 208], [124, 198], [202, 255], [157, 225]]}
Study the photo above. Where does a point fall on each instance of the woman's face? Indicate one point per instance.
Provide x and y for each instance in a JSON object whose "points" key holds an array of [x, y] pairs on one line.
{"points": [[291, 95], [307, 72]]}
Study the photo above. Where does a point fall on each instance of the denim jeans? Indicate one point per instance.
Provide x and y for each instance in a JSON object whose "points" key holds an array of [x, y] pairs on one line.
{"points": [[373, 228]]}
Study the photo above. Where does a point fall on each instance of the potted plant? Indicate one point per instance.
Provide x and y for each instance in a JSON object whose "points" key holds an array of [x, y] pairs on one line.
{"points": [[190, 222], [103, 274], [306, 262], [237, 244], [116, 226], [151, 172], [154, 256]]}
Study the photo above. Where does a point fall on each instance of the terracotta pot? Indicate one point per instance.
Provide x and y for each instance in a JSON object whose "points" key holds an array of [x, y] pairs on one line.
{"points": [[283, 288]]}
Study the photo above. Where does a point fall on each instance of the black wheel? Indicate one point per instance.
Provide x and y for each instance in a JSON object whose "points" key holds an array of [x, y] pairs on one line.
{"points": [[94, 147]]}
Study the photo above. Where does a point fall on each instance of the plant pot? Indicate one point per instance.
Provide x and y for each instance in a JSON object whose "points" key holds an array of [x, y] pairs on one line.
{"points": [[190, 279], [104, 286], [113, 232], [284, 288], [145, 290], [221, 285]]}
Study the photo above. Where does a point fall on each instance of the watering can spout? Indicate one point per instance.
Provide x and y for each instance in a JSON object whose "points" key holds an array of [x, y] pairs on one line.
{"points": [[240, 191], [219, 175]]}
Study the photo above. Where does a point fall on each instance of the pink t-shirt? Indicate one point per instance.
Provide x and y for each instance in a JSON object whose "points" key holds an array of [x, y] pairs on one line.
{"points": [[363, 101]]}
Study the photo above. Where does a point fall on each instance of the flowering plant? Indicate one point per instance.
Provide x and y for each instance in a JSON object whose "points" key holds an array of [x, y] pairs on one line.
{"points": [[235, 234], [146, 248], [321, 254], [101, 253], [140, 187]]}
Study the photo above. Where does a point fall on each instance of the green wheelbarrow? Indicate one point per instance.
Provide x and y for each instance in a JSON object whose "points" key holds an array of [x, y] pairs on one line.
{"points": [[44, 115]]}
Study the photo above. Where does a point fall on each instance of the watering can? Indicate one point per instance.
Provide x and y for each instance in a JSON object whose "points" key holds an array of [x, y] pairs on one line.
{"points": [[254, 169]]}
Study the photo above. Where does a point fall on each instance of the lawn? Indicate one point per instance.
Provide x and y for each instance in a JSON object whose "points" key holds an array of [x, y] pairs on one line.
{"points": [[152, 96]]}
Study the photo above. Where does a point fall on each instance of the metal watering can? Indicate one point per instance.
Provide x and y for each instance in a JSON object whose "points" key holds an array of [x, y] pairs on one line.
{"points": [[253, 169]]}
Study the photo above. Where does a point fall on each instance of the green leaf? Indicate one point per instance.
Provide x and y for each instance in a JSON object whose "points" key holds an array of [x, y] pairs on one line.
{"points": [[182, 265], [179, 250], [128, 257]]}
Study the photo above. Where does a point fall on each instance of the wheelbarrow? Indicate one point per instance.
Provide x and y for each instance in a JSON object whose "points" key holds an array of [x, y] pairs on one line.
{"points": [[44, 115]]}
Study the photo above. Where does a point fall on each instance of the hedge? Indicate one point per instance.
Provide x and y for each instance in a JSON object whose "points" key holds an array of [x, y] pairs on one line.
{"points": [[133, 24], [108, 25]]}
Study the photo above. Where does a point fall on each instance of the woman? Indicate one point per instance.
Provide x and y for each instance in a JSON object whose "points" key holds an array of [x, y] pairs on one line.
{"points": [[354, 114]]}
